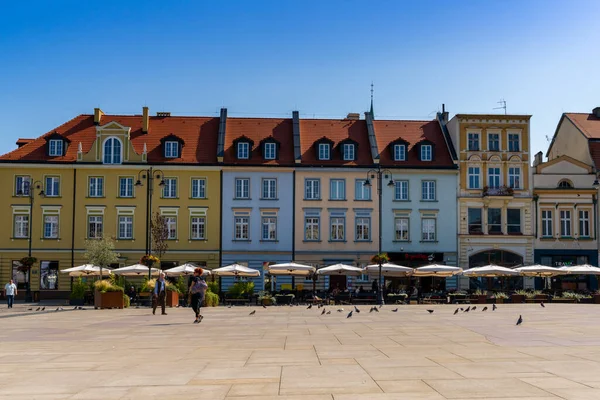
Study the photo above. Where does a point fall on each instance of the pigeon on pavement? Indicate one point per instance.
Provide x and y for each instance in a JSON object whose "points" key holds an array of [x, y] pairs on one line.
{"points": [[456, 311], [542, 304], [494, 307], [323, 312], [356, 309], [467, 309], [43, 308], [309, 307], [474, 308], [395, 310], [328, 312], [349, 315], [264, 306], [37, 309], [253, 312], [340, 310], [430, 311], [484, 309], [520, 320], [29, 309]]}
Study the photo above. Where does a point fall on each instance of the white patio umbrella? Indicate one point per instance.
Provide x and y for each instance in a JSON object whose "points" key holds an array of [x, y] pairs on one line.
{"points": [[340, 269], [389, 269], [490, 271], [437, 270], [540, 271], [86, 270], [235, 270], [291, 269], [185, 269], [135, 270], [583, 269]]}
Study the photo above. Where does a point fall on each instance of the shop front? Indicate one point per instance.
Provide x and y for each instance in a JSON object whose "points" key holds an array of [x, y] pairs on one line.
{"points": [[415, 260], [567, 258]]}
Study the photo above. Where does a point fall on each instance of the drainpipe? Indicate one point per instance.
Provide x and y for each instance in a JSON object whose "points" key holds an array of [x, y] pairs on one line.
{"points": [[73, 221], [221, 227], [293, 215]]}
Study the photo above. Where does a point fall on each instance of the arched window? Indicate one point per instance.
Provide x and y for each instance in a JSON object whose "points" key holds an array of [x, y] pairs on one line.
{"points": [[112, 151], [565, 184]]}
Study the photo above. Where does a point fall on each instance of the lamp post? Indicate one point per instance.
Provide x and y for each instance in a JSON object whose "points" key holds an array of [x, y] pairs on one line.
{"points": [[379, 174], [27, 190], [149, 175]]}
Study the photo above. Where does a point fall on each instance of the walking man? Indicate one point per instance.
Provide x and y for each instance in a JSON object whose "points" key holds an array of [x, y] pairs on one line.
{"points": [[197, 290], [10, 291], [159, 295]]}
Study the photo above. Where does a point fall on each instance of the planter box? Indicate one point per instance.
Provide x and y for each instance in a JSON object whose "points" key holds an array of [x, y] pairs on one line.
{"points": [[555, 300], [108, 300], [481, 299], [596, 298], [517, 298], [172, 298], [267, 302], [76, 302], [500, 301]]}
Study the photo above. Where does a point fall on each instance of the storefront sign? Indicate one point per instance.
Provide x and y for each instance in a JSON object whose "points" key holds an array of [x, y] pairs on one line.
{"points": [[417, 258]]}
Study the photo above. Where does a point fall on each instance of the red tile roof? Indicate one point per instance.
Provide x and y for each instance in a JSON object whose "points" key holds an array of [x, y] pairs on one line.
{"points": [[311, 130], [258, 129], [588, 124], [412, 132], [199, 134], [595, 152]]}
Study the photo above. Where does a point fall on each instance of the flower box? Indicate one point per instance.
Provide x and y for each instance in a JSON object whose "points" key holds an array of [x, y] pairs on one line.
{"points": [[478, 298], [517, 298], [108, 299], [172, 298]]}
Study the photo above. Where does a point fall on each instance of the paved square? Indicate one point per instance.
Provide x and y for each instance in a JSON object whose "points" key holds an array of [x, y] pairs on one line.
{"points": [[295, 353]]}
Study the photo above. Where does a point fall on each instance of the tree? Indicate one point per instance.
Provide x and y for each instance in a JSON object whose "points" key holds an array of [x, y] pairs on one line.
{"points": [[160, 235], [101, 252]]}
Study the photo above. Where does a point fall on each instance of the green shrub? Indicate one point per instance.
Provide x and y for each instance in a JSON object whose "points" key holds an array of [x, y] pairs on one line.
{"points": [[182, 284], [480, 292], [211, 299], [107, 286], [78, 290], [126, 301], [501, 295], [241, 290], [213, 287], [148, 286]]}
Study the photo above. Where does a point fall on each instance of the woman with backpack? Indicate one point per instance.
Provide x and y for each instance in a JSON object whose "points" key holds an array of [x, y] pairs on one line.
{"points": [[197, 290]]}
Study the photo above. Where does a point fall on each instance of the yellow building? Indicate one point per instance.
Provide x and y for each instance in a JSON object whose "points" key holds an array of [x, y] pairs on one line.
{"points": [[495, 196], [90, 178]]}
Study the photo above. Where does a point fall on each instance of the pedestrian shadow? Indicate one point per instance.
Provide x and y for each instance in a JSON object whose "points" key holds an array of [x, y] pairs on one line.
{"points": [[174, 323]]}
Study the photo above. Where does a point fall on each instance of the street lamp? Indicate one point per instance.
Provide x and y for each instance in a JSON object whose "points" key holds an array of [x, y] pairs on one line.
{"points": [[149, 175], [379, 174], [28, 190]]}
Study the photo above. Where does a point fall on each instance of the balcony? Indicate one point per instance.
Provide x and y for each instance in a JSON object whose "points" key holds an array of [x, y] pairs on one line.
{"points": [[497, 191]]}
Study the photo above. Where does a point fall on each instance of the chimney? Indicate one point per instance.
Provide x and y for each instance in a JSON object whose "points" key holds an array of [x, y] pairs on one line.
{"points": [[537, 159], [445, 114], [145, 119], [596, 112], [22, 142], [98, 113], [353, 116]]}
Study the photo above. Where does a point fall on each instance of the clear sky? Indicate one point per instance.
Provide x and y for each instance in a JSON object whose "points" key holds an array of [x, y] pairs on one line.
{"points": [[267, 58]]}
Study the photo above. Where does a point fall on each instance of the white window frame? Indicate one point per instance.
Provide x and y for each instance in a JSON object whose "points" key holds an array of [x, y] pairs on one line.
{"points": [[126, 189], [98, 221], [312, 223], [111, 157], [337, 187], [21, 226], [362, 228], [96, 186], [426, 234], [243, 150], [270, 223], [426, 152], [547, 223], [171, 226], [514, 180], [241, 222], [197, 227], [270, 151], [125, 222], [312, 186], [584, 222], [428, 190], [242, 188], [170, 188], [54, 183], [472, 174], [399, 190], [361, 191], [269, 189], [399, 152], [22, 184], [56, 147], [324, 151], [473, 137], [198, 188], [51, 225], [348, 151], [337, 229], [499, 175], [490, 141], [171, 149], [566, 223], [401, 225]]}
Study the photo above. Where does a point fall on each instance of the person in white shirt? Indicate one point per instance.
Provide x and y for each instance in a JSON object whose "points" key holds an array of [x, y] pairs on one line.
{"points": [[10, 291]]}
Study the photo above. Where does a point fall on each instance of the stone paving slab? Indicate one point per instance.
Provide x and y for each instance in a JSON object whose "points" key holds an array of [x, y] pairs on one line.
{"points": [[298, 354]]}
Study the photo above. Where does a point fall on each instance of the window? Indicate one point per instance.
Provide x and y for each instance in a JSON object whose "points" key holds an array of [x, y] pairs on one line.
{"points": [[324, 151], [361, 192], [565, 184], [270, 151], [241, 228], [112, 151], [513, 220], [21, 226], [243, 150], [428, 193], [475, 221], [474, 178], [514, 177], [337, 189], [494, 142], [125, 187], [399, 152], [242, 188], [312, 189], [494, 177], [269, 188], [495, 221], [348, 152], [198, 228], [401, 224], [171, 225], [311, 228], [401, 190], [269, 228], [547, 223], [52, 186], [513, 142], [363, 229], [55, 147], [565, 223], [337, 228], [473, 139], [171, 149], [22, 184], [125, 227], [96, 186], [584, 223], [95, 227], [50, 226], [170, 188], [426, 154], [49, 275], [198, 188], [428, 229]]}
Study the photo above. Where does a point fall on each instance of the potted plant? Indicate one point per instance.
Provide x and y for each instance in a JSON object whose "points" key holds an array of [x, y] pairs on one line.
{"points": [[266, 299], [566, 297], [500, 297], [518, 296], [479, 296], [172, 294], [77, 293], [538, 296], [149, 260], [211, 299], [107, 295], [382, 258]]}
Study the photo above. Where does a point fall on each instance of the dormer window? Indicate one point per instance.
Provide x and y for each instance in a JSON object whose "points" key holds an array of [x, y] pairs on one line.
{"points": [[324, 151], [348, 151], [112, 151], [270, 151], [55, 147], [426, 152], [243, 150], [171, 149], [399, 152]]}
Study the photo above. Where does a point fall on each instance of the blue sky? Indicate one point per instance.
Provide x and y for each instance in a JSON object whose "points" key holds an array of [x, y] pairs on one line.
{"points": [[267, 58]]}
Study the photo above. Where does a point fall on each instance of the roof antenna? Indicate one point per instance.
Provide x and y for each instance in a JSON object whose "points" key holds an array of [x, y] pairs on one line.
{"points": [[502, 103], [371, 110]]}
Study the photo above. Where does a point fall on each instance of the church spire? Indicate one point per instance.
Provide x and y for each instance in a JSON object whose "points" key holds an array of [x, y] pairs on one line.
{"points": [[371, 110]]}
